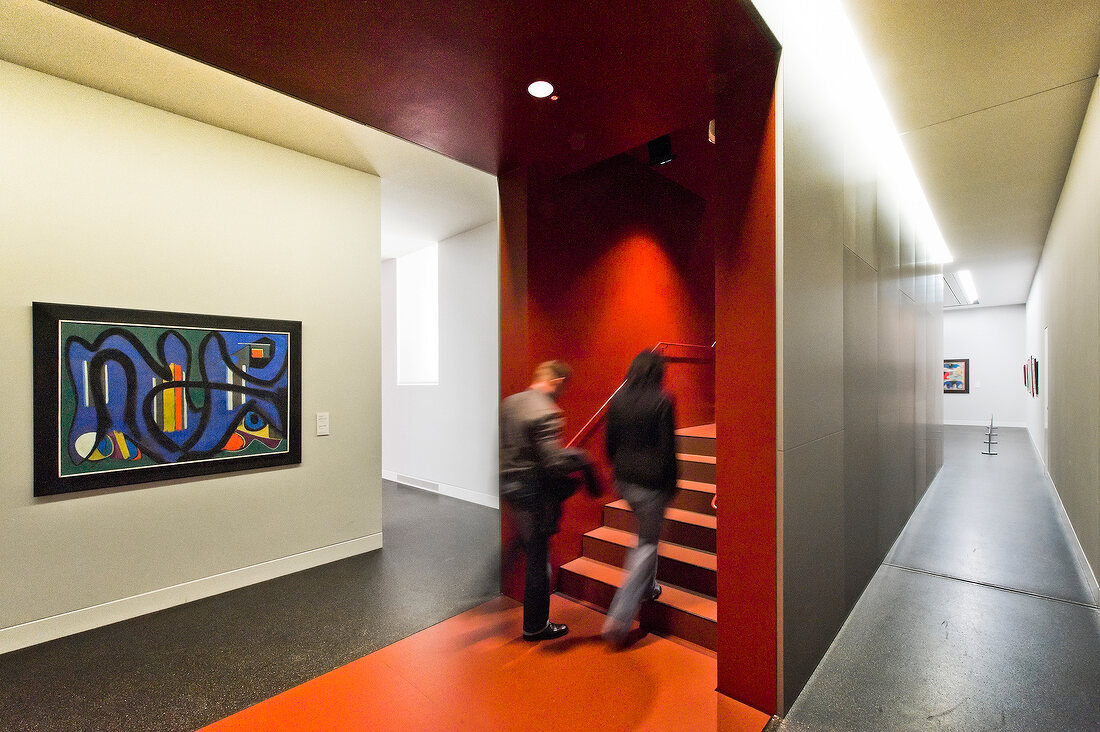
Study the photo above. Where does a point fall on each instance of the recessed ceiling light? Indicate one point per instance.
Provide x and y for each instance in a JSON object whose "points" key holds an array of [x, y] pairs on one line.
{"points": [[540, 89]]}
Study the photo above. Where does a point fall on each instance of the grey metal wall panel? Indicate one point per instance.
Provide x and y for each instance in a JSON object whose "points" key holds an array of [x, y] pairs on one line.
{"points": [[907, 384], [862, 553], [920, 382], [935, 337], [813, 264], [893, 505], [813, 557], [908, 255]]}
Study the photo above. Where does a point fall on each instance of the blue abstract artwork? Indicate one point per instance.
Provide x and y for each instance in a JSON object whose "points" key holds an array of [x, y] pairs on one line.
{"points": [[956, 376], [136, 396]]}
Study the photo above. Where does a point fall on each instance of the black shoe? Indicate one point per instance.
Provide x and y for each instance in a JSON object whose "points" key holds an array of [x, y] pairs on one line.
{"points": [[552, 630], [654, 592]]}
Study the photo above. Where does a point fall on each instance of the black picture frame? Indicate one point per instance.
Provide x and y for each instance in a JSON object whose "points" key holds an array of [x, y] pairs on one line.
{"points": [[956, 376], [242, 412]]}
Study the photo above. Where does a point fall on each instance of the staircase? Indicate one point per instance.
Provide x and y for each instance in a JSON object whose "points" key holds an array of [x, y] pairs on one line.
{"points": [[687, 563]]}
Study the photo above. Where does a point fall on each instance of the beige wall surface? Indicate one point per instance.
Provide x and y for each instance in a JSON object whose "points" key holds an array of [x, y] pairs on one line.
{"points": [[861, 331], [1064, 420], [108, 202]]}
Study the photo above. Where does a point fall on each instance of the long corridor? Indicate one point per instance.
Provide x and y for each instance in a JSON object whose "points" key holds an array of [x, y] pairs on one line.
{"points": [[984, 615]]}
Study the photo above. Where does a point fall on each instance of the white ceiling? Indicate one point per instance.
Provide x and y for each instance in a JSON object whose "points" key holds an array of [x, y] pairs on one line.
{"points": [[425, 196], [988, 96]]}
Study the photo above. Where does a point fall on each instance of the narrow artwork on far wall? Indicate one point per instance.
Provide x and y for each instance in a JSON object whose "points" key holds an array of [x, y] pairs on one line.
{"points": [[1031, 376], [956, 376]]}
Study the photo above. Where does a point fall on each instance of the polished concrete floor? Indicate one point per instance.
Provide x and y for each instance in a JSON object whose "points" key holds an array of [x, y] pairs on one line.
{"points": [[188, 666], [983, 617]]}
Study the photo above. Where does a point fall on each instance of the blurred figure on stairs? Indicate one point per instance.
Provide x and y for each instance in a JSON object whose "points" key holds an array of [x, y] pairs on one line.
{"points": [[536, 474], [642, 449]]}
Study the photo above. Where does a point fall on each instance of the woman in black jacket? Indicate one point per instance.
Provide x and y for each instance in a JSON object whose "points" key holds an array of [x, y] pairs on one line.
{"points": [[641, 445]]}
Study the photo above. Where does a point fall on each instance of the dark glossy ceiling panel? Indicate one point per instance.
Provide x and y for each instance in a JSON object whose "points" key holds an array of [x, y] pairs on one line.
{"points": [[452, 76]]}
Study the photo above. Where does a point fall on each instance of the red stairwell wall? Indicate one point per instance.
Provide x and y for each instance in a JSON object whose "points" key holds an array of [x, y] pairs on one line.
{"points": [[615, 259]]}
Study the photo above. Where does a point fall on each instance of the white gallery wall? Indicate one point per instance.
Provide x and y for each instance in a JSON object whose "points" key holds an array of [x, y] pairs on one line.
{"points": [[107, 202], [443, 437], [993, 340], [1063, 332]]}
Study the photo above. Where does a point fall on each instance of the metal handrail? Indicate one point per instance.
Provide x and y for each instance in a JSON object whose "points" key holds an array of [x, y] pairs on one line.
{"points": [[602, 411]]}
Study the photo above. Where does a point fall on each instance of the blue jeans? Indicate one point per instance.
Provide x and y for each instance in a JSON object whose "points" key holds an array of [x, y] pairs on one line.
{"points": [[648, 505]]}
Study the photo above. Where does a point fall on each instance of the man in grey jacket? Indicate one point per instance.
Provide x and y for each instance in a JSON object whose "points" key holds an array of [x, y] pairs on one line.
{"points": [[535, 472]]}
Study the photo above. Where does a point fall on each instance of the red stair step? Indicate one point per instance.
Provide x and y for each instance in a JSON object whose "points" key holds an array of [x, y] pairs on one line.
{"points": [[694, 496], [697, 440], [682, 566], [689, 528], [700, 468], [676, 612]]}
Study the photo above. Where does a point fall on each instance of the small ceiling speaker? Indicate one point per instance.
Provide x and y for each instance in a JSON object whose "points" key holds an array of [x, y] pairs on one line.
{"points": [[660, 150]]}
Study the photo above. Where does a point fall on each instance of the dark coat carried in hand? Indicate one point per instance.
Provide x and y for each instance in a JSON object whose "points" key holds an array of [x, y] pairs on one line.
{"points": [[536, 471]]}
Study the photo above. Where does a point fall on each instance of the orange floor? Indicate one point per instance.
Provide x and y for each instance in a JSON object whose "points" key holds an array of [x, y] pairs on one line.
{"points": [[472, 672]]}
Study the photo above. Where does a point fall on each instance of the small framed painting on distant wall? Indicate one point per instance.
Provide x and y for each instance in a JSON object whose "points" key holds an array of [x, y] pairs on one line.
{"points": [[956, 376]]}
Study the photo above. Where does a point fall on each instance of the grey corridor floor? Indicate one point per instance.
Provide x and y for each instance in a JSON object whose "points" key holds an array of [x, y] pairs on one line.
{"points": [[982, 617]]}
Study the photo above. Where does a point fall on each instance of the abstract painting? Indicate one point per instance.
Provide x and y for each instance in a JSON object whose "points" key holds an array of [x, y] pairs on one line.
{"points": [[956, 376], [132, 396]]}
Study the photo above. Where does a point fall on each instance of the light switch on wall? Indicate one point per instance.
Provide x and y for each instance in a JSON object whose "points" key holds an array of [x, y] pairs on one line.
{"points": [[322, 424]]}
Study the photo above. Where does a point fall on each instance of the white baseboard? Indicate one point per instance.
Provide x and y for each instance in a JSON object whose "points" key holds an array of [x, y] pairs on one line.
{"points": [[424, 485], [454, 491], [77, 621], [973, 423], [482, 499]]}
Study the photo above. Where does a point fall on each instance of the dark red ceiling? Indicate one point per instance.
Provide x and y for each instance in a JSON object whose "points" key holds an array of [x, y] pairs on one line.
{"points": [[453, 76]]}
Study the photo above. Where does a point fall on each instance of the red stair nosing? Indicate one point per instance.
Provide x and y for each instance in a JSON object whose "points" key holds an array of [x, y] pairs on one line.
{"points": [[688, 457], [702, 430]]}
